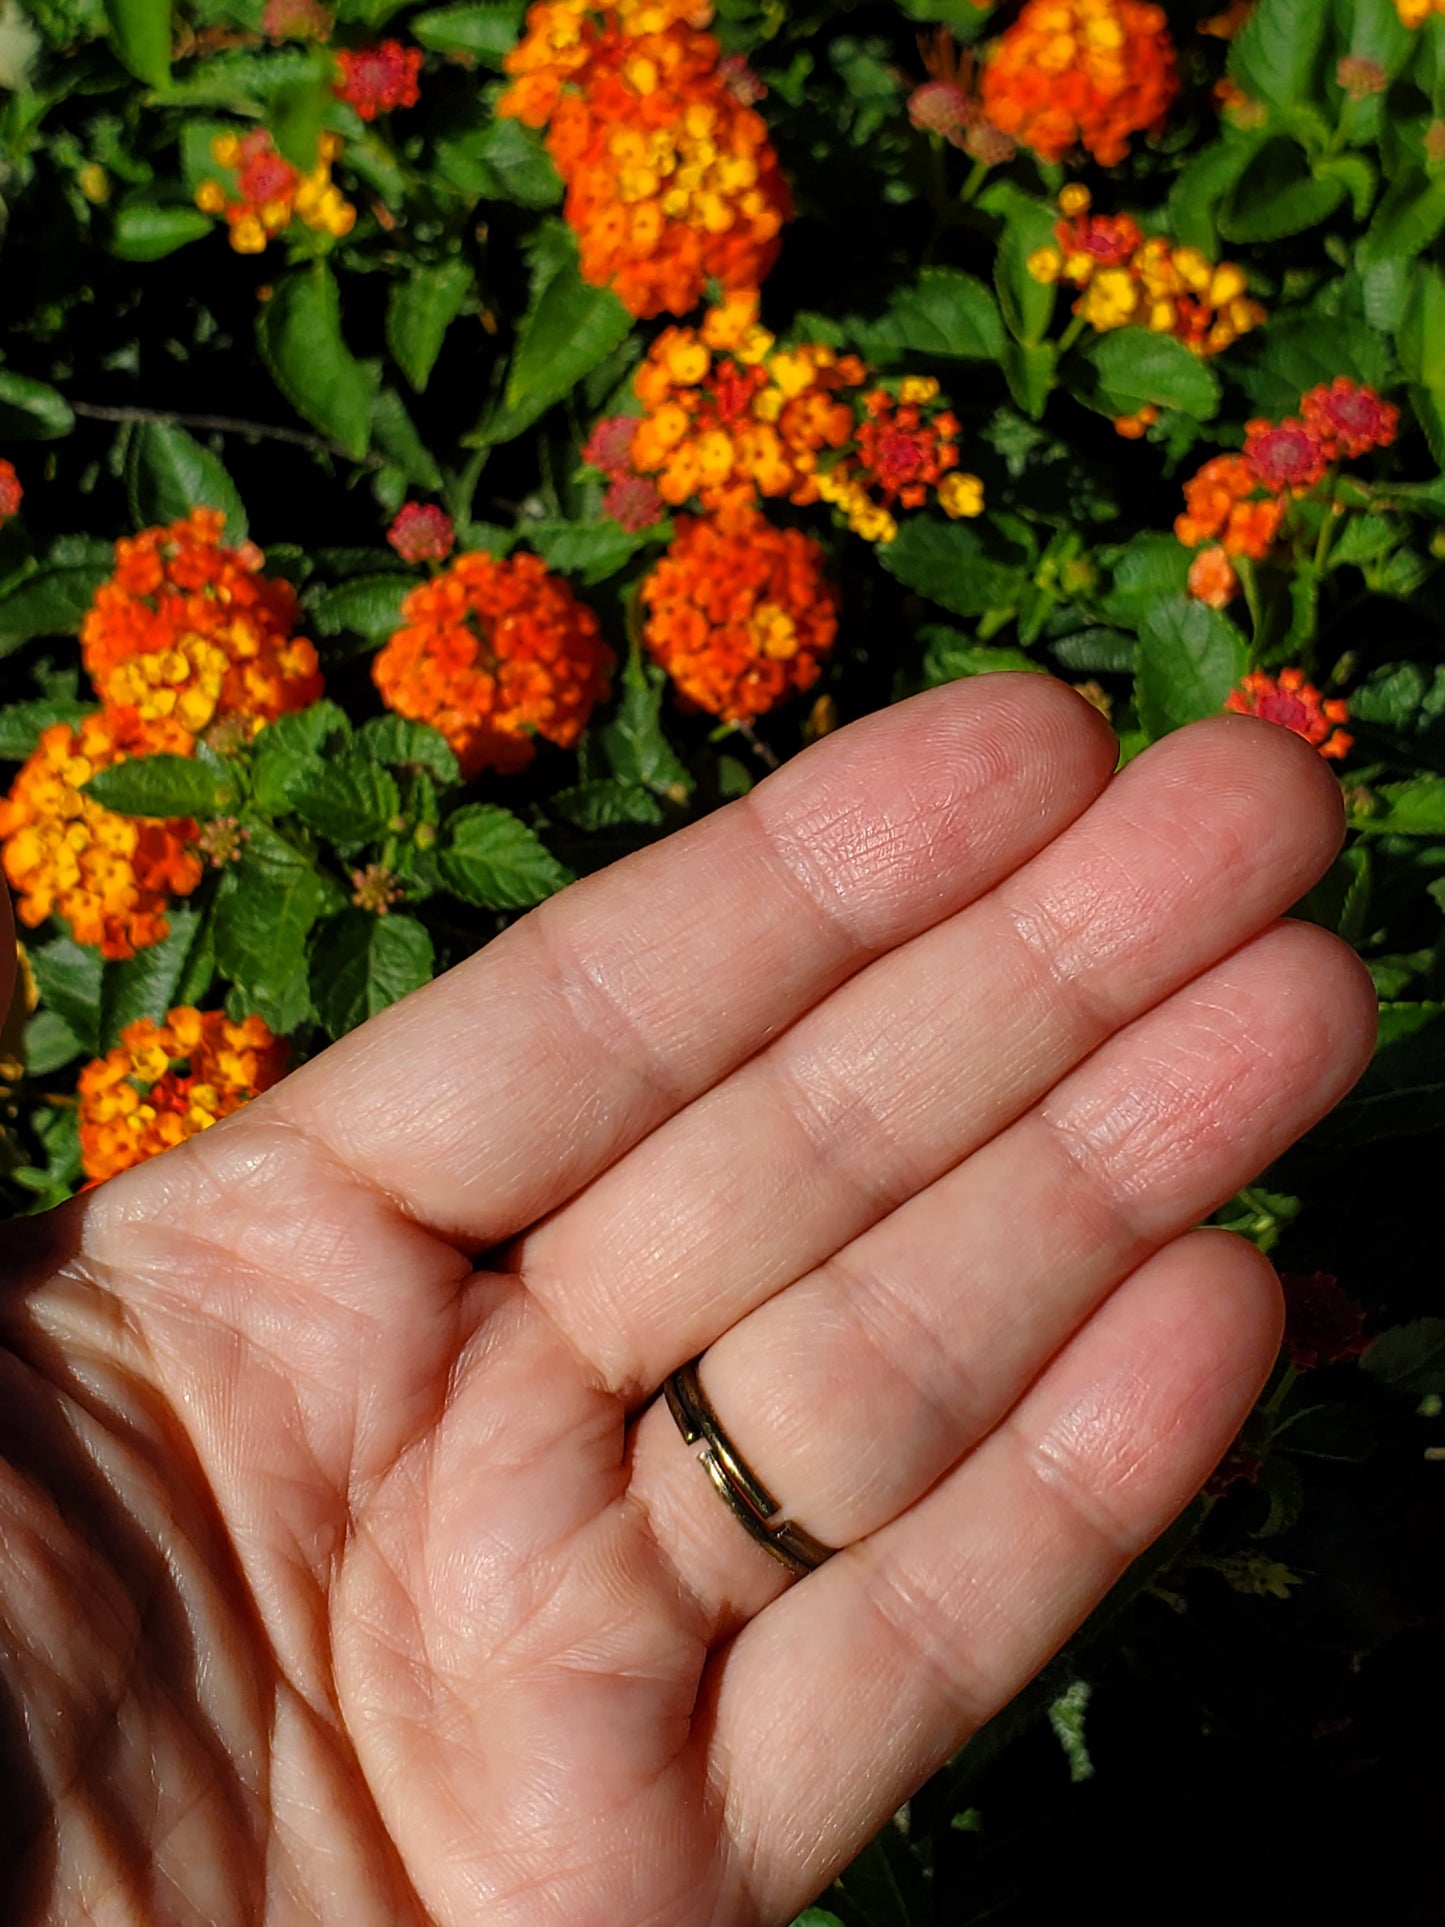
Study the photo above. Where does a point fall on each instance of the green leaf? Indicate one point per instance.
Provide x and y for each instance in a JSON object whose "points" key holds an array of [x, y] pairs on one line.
{"points": [[1028, 305], [953, 565], [169, 473], [395, 435], [1408, 220], [287, 750], [1411, 1357], [1278, 55], [634, 742], [68, 980], [405, 745], [499, 161], [348, 799], [1204, 184], [1096, 651], [265, 908], [571, 329], [603, 805], [147, 230], [141, 31], [1422, 333], [48, 1044], [368, 605], [362, 963], [482, 33], [1190, 657], [1406, 699], [146, 985], [1416, 808], [952, 655], [589, 552], [489, 857], [1278, 195], [420, 309], [299, 332], [948, 315], [31, 410], [51, 602], [21, 723], [1134, 369], [1401, 1093], [1031, 369], [160, 786]]}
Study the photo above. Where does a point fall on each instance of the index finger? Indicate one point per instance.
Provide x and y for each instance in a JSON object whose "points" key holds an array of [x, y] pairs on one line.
{"points": [[494, 1094]]}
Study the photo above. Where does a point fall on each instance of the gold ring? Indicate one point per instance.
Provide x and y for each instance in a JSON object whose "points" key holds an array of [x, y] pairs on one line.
{"points": [[749, 1501]]}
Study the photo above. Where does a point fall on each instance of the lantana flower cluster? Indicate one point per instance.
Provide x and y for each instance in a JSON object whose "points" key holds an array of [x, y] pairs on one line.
{"points": [[1087, 73], [11, 493], [1294, 703], [1127, 279], [269, 193], [166, 1082], [1235, 506], [186, 636], [739, 613], [671, 178], [493, 652], [730, 418], [380, 79]]}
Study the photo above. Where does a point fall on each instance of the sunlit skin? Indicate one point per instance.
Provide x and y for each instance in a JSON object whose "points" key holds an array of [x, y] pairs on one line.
{"points": [[341, 1580]]}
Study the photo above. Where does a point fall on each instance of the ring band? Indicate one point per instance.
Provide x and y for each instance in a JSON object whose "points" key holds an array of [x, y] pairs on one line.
{"points": [[749, 1501]]}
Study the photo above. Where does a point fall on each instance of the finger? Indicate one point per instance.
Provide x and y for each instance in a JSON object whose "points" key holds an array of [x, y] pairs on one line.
{"points": [[835, 1704], [853, 1391], [925, 1055], [487, 1098]]}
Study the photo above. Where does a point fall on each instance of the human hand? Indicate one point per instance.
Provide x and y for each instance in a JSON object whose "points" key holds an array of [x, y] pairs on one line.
{"points": [[342, 1581]]}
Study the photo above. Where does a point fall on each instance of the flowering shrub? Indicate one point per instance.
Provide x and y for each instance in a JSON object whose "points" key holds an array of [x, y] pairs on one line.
{"points": [[446, 446]]}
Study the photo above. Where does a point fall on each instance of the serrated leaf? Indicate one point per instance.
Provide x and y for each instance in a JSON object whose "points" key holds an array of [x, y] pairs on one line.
{"points": [[394, 433], [1096, 651], [587, 551], [1409, 1357], [1402, 1091], [482, 33], [367, 606], [420, 309], [49, 1043], [50, 602], [348, 799], [31, 410], [945, 314], [146, 985], [1134, 368], [1410, 217], [141, 31], [499, 160], [362, 963], [68, 979], [169, 473], [1415, 808], [1027, 304], [265, 908], [148, 230], [22, 723], [299, 332], [407, 745], [602, 805], [289, 747], [634, 742], [1278, 194], [952, 655], [1190, 657], [953, 565], [489, 857], [572, 328], [161, 786], [1277, 57]]}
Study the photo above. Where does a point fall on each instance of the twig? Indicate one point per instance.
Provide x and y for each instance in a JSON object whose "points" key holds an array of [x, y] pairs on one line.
{"points": [[225, 425], [759, 748]]}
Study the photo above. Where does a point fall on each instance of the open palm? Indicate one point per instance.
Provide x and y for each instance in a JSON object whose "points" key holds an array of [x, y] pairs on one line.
{"points": [[351, 1569]]}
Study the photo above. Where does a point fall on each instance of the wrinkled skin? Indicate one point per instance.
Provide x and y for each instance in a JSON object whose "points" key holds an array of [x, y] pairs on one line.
{"points": [[350, 1569]]}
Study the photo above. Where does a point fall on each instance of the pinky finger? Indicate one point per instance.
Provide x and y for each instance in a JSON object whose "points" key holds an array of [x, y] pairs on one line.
{"points": [[839, 1700]]}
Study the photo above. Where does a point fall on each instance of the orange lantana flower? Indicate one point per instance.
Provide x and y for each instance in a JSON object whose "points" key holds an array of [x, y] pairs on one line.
{"points": [[493, 652], [188, 632], [110, 877], [1225, 502], [1295, 704], [739, 614], [1087, 73], [166, 1082]]}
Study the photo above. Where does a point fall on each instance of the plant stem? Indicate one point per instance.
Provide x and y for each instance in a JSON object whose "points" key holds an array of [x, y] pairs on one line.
{"points": [[978, 173], [1071, 334], [1244, 568], [224, 425]]}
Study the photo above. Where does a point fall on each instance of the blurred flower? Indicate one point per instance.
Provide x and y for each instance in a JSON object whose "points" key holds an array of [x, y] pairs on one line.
{"points": [[422, 532], [375, 888], [164, 1083], [947, 103], [1349, 420], [1238, 1466], [380, 79], [1212, 578], [109, 877], [1414, 13], [1295, 704], [1133, 428], [188, 631], [11, 493], [671, 179], [1225, 25], [739, 614], [270, 193], [1081, 72], [1285, 455], [634, 503], [296, 20], [493, 652], [1322, 1323], [901, 450], [1361, 78], [1226, 501]]}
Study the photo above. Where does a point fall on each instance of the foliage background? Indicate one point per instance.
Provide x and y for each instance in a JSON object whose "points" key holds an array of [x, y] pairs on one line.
{"points": [[1240, 1729]]}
